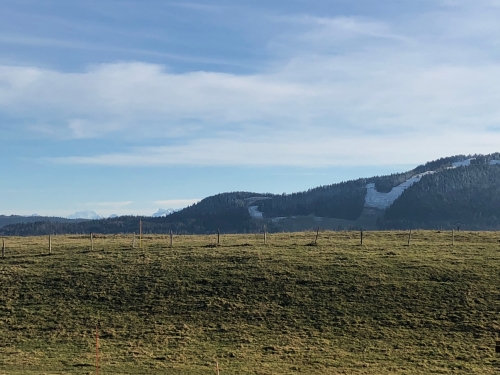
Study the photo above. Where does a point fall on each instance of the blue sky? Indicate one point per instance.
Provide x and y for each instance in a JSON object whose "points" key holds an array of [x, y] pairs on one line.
{"points": [[127, 106]]}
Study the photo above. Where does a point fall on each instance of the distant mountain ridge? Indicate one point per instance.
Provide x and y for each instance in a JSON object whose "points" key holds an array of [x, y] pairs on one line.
{"points": [[88, 215], [18, 219], [458, 190], [164, 212], [92, 215]]}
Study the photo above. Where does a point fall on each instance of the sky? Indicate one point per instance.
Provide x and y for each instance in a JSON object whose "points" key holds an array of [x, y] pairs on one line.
{"points": [[123, 107]]}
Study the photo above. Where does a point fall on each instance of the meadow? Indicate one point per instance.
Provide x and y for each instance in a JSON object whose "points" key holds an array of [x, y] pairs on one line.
{"points": [[285, 307]]}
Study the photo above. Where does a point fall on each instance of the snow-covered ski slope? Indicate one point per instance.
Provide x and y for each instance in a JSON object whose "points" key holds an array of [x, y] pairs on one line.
{"points": [[375, 199], [463, 163], [255, 213], [253, 209], [381, 201]]}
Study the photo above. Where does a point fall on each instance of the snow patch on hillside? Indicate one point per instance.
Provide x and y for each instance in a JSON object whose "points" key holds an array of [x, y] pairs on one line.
{"points": [[375, 199], [463, 163], [254, 210], [255, 213], [381, 201], [467, 162]]}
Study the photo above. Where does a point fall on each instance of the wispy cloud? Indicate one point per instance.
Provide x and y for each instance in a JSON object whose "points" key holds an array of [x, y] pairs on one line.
{"points": [[197, 6], [322, 29], [30, 40], [336, 87], [310, 151]]}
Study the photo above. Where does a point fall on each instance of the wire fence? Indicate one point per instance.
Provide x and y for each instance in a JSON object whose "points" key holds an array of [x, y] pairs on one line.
{"points": [[54, 244]]}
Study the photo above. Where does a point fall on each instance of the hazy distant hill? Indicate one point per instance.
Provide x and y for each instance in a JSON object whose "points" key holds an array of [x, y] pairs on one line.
{"points": [[439, 194], [15, 219]]}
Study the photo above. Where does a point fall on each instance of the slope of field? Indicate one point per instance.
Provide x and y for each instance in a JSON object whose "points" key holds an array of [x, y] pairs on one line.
{"points": [[282, 308]]}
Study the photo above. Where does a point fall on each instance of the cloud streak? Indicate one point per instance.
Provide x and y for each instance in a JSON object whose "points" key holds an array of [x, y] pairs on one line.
{"points": [[337, 87], [309, 152]]}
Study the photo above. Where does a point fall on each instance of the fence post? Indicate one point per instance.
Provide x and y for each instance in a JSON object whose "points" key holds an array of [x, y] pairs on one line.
{"points": [[3, 248], [361, 236], [140, 234], [316, 239], [452, 237], [96, 350], [218, 237], [50, 244], [171, 239], [265, 235], [91, 241], [409, 237]]}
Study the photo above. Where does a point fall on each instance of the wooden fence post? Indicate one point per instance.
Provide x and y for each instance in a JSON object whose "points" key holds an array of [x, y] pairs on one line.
{"points": [[91, 241], [171, 239], [217, 367], [361, 236], [265, 235], [133, 242], [96, 350], [316, 239], [140, 234], [452, 237], [409, 237], [50, 244], [218, 237], [3, 248]]}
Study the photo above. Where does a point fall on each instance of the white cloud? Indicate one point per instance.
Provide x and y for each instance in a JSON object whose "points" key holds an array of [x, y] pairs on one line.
{"points": [[343, 28], [340, 89], [311, 151], [86, 129], [122, 97], [197, 6]]}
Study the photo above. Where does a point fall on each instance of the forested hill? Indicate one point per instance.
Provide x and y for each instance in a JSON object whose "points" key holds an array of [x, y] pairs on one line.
{"points": [[16, 219], [439, 194], [227, 212], [345, 200], [466, 196]]}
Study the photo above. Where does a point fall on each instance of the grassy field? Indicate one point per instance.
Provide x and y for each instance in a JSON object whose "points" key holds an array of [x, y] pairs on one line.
{"points": [[281, 308]]}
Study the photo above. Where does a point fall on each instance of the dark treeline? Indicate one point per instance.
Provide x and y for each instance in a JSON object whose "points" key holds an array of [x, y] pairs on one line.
{"points": [[217, 204], [231, 221], [227, 212], [344, 201], [385, 184], [16, 219], [466, 195]]}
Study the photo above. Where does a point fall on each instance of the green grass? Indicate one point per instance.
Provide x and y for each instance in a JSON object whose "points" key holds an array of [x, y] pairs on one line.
{"points": [[280, 308]]}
